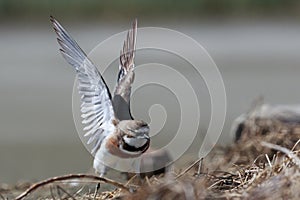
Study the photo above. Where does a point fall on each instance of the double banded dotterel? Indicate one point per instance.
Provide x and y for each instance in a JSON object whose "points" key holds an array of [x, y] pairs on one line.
{"points": [[264, 118], [112, 130]]}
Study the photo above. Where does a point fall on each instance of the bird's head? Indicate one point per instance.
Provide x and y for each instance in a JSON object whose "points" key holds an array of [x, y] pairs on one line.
{"points": [[134, 134]]}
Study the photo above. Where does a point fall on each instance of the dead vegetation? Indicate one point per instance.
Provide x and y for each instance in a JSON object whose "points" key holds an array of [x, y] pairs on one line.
{"points": [[263, 164]]}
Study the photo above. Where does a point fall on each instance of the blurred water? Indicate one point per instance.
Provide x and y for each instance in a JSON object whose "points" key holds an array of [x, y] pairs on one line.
{"points": [[37, 134]]}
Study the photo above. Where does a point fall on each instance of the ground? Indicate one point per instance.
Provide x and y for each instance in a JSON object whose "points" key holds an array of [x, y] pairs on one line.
{"points": [[258, 166]]}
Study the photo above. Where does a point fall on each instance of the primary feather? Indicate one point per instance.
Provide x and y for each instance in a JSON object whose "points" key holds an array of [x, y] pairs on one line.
{"points": [[96, 107], [121, 99]]}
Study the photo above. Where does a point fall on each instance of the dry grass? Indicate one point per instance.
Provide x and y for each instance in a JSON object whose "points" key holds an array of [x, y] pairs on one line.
{"points": [[247, 170], [264, 164]]}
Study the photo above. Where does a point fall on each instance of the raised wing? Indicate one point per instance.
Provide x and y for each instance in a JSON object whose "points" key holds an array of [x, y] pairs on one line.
{"points": [[96, 107], [121, 99]]}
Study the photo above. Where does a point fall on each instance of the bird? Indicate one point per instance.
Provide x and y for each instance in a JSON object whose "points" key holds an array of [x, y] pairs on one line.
{"points": [[108, 122], [264, 117]]}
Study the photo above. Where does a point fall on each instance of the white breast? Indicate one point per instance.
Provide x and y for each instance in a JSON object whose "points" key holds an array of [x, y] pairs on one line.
{"points": [[104, 159], [135, 142]]}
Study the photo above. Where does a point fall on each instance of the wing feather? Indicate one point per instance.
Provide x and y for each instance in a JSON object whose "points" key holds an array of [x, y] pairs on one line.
{"points": [[96, 107], [121, 99], [128, 52]]}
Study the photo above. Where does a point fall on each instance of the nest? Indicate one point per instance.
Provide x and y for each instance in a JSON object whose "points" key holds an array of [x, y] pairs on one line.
{"points": [[257, 167], [263, 164]]}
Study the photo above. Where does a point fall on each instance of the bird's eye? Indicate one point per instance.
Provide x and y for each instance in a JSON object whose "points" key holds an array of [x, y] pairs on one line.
{"points": [[129, 136]]}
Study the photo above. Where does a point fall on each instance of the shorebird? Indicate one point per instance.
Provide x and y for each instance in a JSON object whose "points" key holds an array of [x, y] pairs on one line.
{"points": [[263, 118], [112, 130]]}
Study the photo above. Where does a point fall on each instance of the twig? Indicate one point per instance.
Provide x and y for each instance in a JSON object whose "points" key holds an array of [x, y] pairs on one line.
{"points": [[77, 193], [67, 177], [216, 183], [58, 193], [199, 167], [259, 156], [284, 150], [295, 145], [129, 181], [188, 169], [62, 189], [96, 190], [51, 192], [268, 159], [147, 180]]}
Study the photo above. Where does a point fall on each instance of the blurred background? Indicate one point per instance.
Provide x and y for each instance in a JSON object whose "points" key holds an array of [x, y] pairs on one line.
{"points": [[255, 44]]}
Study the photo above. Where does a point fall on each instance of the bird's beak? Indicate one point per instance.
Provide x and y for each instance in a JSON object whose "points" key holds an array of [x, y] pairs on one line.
{"points": [[146, 136]]}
